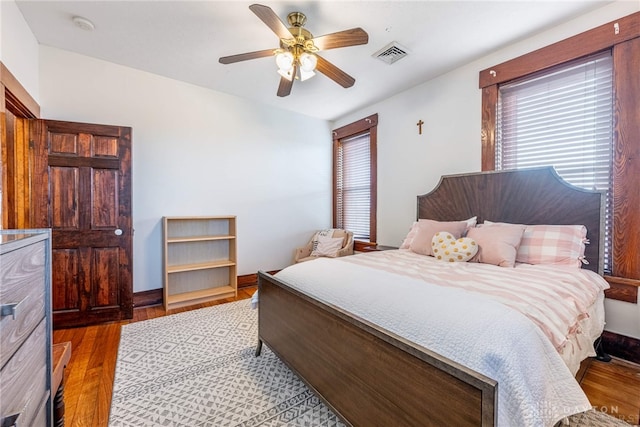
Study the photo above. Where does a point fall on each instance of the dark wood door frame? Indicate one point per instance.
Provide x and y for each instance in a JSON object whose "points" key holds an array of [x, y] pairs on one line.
{"points": [[16, 107]]}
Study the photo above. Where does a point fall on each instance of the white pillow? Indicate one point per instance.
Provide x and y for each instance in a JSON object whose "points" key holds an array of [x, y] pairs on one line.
{"points": [[327, 246]]}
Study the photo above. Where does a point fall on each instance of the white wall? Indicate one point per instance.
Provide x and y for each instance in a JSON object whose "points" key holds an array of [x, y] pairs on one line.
{"points": [[199, 152], [18, 47], [410, 164]]}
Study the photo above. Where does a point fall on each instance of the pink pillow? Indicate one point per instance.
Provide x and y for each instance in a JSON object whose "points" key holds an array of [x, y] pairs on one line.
{"points": [[552, 244], [412, 233], [497, 244], [427, 228], [406, 243]]}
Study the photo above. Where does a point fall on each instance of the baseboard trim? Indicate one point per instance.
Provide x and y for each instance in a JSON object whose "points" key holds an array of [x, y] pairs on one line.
{"points": [[147, 298], [247, 280], [621, 346], [154, 296]]}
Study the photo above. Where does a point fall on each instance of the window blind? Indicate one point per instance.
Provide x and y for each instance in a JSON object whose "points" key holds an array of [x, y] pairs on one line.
{"points": [[562, 118], [353, 185]]}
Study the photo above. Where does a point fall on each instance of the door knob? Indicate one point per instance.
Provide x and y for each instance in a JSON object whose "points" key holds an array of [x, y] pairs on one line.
{"points": [[117, 232]]}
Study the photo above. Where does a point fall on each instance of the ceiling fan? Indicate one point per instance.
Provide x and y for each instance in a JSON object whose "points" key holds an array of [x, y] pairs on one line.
{"points": [[297, 56]]}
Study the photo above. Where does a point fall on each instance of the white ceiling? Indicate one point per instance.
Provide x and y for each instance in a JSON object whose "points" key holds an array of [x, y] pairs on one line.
{"points": [[184, 39]]}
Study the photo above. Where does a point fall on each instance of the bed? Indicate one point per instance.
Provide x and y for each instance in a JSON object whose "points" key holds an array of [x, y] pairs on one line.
{"points": [[381, 348]]}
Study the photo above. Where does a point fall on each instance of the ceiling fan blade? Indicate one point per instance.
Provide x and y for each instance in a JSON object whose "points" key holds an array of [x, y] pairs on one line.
{"points": [[284, 89], [246, 56], [269, 17], [334, 73], [352, 37]]}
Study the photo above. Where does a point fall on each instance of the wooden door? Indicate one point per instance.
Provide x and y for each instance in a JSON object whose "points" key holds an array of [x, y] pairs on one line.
{"points": [[81, 189]]}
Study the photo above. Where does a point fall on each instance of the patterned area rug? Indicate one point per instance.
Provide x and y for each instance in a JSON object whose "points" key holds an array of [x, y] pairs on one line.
{"points": [[198, 368]]}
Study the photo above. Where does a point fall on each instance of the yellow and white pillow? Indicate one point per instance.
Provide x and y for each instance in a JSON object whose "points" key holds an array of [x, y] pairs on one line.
{"points": [[446, 247]]}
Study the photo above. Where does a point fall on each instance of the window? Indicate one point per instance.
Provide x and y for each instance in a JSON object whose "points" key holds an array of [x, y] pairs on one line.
{"points": [[623, 218], [353, 185], [354, 189], [562, 117]]}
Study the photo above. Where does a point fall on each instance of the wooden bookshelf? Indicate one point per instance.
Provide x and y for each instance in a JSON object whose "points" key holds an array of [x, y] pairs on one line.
{"points": [[199, 259]]}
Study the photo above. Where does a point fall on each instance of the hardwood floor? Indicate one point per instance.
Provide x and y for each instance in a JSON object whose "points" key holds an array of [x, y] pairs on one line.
{"points": [[611, 387], [614, 388]]}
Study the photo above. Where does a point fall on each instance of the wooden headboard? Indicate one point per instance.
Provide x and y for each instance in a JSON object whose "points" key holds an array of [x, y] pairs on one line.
{"points": [[525, 196]]}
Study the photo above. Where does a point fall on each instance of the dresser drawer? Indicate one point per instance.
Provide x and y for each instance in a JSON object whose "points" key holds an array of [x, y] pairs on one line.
{"points": [[21, 282], [24, 379], [41, 418]]}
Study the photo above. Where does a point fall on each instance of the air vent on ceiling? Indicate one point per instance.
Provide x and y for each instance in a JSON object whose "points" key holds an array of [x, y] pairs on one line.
{"points": [[391, 53]]}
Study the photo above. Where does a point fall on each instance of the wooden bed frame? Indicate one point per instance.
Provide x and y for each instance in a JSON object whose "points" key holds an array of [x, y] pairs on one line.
{"points": [[371, 377]]}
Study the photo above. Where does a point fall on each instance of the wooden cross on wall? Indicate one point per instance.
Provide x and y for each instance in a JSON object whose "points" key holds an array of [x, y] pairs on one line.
{"points": [[419, 124]]}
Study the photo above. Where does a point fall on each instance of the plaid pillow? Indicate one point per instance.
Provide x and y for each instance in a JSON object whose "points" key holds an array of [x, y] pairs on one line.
{"points": [[553, 244]]}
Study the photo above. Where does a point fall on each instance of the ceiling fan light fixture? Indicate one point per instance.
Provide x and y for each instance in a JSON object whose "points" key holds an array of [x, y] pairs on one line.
{"points": [[284, 61], [308, 62], [303, 64], [295, 58]]}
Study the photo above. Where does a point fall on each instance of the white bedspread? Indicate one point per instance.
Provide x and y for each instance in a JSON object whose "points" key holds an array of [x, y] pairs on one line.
{"points": [[556, 298], [535, 387]]}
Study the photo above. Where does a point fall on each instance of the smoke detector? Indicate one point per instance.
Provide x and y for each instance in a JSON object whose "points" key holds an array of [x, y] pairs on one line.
{"points": [[391, 53], [83, 23]]}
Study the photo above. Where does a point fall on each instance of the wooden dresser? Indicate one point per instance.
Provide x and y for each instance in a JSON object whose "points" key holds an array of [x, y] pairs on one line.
{"points": [[25, 328]]}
